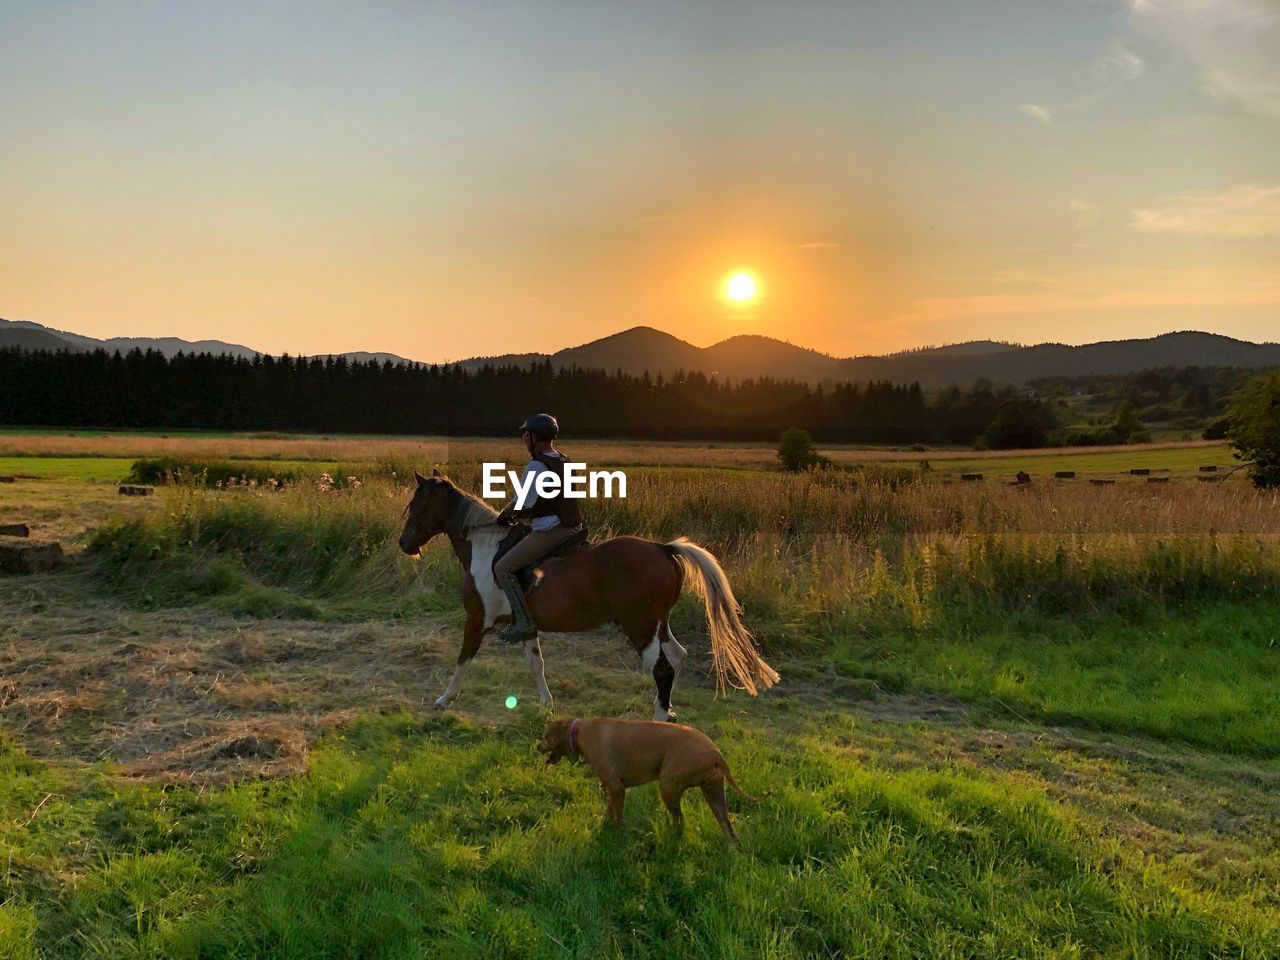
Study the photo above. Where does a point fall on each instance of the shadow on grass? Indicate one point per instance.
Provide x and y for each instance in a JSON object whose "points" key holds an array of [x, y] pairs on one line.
{"points": [[412, 838]]}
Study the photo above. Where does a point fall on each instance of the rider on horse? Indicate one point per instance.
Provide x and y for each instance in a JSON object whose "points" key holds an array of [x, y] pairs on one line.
{"points": [[554, 520]]}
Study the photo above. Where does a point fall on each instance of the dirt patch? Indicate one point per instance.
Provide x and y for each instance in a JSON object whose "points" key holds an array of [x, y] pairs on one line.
{"points": [[196, 696], [260, 749]]}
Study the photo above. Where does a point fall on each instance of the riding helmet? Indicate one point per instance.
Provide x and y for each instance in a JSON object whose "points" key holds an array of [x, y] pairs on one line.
{"points": [[543, 426]]}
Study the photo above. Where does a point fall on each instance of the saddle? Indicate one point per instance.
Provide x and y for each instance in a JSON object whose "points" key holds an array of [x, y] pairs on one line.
{"points": [[528, 575]]}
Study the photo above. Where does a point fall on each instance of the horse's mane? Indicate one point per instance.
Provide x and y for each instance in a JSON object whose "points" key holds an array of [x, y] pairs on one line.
{"points": [[470, 510]]}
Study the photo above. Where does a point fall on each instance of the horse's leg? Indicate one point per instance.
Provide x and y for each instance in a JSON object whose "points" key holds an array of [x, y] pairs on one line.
{"points": [[533, 653], [665, 671], [661, 657], [472, 635], [648, 643]]}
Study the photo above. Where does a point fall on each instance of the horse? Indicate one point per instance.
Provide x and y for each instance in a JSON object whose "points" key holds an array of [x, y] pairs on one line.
{"points": [[630, 581]]}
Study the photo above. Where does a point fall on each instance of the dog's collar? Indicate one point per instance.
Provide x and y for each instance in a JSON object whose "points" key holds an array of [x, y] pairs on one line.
{"points": [[573, 735]]}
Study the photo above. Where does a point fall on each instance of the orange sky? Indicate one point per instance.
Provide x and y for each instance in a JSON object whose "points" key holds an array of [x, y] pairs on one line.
{"points": [[442, 181]]}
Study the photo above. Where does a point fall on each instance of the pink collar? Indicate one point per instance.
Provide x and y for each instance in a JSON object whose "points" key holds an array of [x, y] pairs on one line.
{"points": [[573, 735]]}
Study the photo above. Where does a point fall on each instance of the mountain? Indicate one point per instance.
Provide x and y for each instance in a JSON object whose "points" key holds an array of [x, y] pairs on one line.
{"points": [[968, 348], [1017, 365], [15, 336], [166, 345], [363, 356], [756, 356], [35, 336], [635, 351], [642, 349]]}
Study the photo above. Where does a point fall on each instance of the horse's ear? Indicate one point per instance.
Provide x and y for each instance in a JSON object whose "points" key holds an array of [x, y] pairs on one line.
{"points": [[419, 477], [435, 472]]}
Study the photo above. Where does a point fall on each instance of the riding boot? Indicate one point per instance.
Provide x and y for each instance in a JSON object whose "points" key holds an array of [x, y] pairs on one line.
{"points": [[521, 628]]}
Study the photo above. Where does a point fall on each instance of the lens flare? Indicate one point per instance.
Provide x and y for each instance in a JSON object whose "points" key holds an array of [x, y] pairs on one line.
{"points": [[511, 703]]}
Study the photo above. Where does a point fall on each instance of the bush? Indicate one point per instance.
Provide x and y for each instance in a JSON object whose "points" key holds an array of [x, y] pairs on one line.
{"points": [[1217, 430], [1253, 427], [796, 451], [1019, 424]]}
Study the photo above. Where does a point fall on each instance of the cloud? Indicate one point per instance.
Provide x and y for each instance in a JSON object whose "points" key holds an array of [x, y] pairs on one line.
{"points": [[1246, 211], [817, 246], [1037, 111], [1118, 66], [1112, 291], [1235, 43], [656, 218], [1086, 213]]}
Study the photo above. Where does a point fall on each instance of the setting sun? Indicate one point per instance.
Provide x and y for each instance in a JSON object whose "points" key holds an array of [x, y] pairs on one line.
{"points": [[742, 287]]}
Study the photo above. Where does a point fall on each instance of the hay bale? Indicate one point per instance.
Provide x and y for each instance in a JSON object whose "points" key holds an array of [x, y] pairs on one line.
{"points": [[1211, 479], [134, 490], [29, 556], [1101, 482], [1140, 472], [970, 476], [1023, 476], [8, 479], [1209, 468], [1064, 475], [14, 530], [1157, 479]]}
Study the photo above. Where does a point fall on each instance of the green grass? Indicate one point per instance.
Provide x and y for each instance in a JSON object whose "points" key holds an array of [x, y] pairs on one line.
{"points": [[117, 469], [89, 469], [1114, 615], [437, 839], [1209, 675], [1043, 464]]}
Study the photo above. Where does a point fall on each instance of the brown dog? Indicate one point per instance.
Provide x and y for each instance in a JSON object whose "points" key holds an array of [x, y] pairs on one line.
{"points": [[627, 753]]}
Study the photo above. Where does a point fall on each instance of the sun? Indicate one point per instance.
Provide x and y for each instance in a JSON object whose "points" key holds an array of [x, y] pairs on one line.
{"points": [[742, 287]]}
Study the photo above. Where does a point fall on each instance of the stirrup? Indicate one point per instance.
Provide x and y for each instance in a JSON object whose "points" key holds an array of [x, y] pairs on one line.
{"points": [[518, 633]]}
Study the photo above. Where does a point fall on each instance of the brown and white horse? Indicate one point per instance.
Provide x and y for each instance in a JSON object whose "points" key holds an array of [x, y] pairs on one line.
{"points": [[625, 580]]}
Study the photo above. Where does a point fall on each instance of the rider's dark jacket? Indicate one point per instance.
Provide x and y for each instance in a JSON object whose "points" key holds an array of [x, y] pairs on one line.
{"points": [[558, 505]]}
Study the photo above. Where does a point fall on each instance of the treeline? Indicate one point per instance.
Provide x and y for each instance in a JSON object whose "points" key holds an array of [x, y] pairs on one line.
{"points": [[1158, 393], [335, 395]]}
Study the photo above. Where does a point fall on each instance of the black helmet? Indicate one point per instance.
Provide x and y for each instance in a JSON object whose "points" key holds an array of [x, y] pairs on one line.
{"points": [[542, 426]]}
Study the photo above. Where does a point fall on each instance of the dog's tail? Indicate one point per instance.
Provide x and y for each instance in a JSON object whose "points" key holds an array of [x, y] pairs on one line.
{"points": [[724, 768], [733, 649]]}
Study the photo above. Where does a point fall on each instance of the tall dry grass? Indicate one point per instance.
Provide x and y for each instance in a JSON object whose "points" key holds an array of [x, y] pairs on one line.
{"points": [[803, 549], [1137, 608], [445, 450]]}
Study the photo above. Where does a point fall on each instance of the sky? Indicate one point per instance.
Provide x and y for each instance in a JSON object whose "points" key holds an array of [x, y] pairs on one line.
{"points": [[446, 180]]}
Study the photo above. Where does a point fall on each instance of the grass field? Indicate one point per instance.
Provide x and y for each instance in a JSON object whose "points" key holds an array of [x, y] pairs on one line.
{"points": [[1013, 722], [1177, 457]]}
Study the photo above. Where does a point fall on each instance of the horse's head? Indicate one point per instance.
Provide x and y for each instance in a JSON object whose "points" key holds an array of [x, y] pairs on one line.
{"points": [[427, 513]]}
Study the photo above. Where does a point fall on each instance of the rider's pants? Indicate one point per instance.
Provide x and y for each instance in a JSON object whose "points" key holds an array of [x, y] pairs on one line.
{"points": [[533, 548]]}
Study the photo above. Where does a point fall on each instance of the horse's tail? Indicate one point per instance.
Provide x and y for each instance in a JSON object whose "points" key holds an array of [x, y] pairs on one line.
{"points": [[733, 649]]}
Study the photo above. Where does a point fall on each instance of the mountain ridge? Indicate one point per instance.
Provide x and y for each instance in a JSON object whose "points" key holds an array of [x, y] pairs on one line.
{"points": [[643, 349], [24, 332]]}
